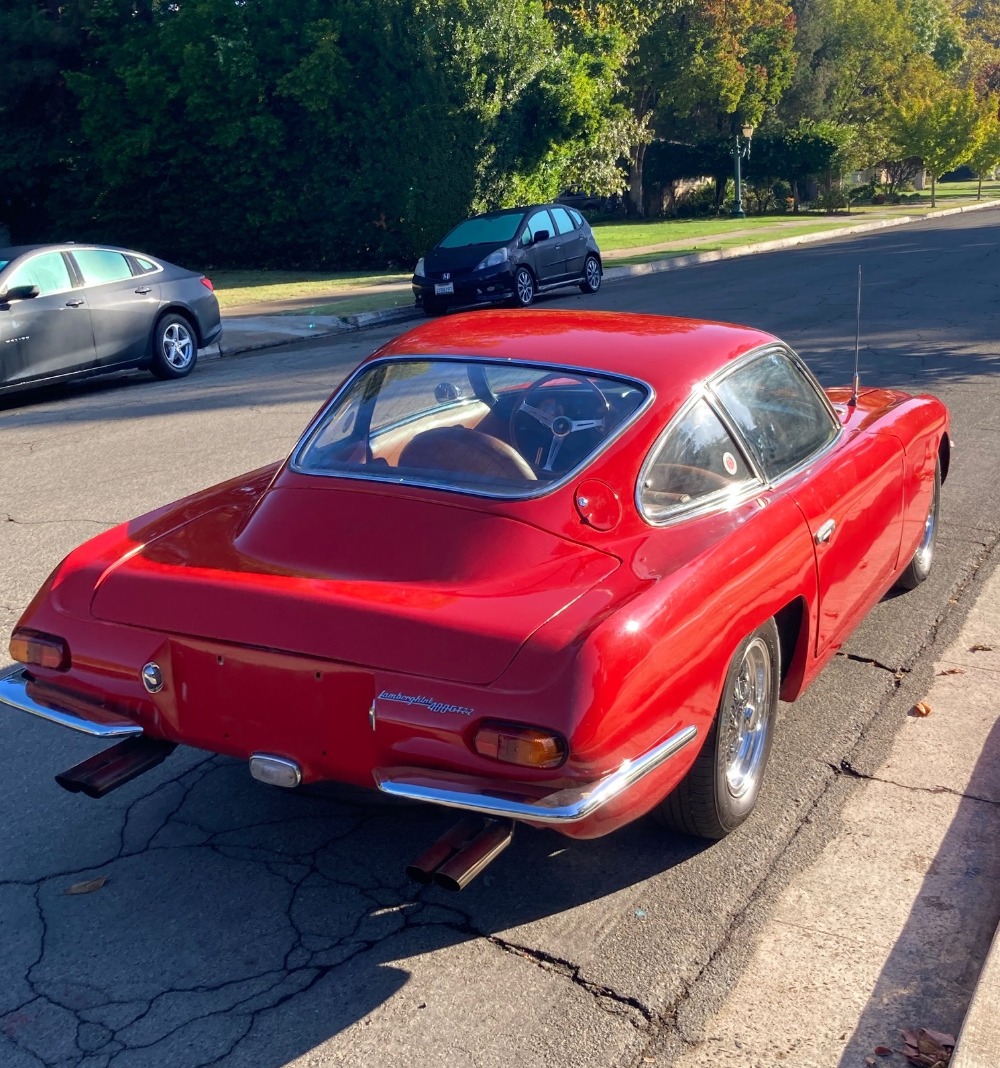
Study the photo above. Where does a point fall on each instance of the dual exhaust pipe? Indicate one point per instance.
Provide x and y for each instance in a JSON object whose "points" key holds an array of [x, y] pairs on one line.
{"points": [[451, 863], [457, 857]]}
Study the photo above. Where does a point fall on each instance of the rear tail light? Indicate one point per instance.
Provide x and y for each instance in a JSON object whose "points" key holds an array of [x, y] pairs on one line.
{"points": [[514, 743], [207, 283], [39, 650]]}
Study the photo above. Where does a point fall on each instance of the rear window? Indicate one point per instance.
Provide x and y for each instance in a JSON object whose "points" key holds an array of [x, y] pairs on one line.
{"points": [[503, 430], [484, 230]]}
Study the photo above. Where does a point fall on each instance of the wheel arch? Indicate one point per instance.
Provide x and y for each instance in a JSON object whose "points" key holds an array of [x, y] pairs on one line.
{"points": [[944, 455], [185, 314]]}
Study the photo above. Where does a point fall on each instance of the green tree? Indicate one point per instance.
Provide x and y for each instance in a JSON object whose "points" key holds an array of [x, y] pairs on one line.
{"points": [[986, 154], [941, 129]]}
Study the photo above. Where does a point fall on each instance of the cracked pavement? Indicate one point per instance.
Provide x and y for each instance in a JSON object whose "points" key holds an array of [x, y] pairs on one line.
{"points": [[242, 925]]}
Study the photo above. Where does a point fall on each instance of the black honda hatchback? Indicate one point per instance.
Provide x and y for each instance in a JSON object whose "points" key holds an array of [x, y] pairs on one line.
{"points": [[510, 254]]}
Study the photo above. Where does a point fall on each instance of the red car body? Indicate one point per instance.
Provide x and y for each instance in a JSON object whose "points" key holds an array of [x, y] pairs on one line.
{"points": [[365, 630]]}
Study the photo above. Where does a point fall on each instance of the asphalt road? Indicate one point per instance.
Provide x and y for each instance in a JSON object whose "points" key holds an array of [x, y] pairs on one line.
{"points": [[243, 926]]}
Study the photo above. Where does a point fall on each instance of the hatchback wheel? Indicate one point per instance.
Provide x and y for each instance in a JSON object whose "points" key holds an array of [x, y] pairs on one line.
{"points": [[591, 275], [175, 347], [524, 287]]}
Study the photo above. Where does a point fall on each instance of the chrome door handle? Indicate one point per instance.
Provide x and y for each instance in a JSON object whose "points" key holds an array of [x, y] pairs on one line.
{"points": [[142, 290], [75, 303], [825, 532]]}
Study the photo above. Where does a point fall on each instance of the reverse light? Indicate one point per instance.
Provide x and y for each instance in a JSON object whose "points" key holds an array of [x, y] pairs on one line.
{"points": [[39, 650], [514, 743], [494, 259], [207, 283]]}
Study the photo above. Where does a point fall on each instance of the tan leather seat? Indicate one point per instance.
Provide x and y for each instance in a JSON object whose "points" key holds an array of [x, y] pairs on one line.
{"points": [[461, 451]]}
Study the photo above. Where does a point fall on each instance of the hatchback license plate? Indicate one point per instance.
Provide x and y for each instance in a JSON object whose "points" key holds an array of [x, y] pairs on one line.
{"points": [[443, 289]]}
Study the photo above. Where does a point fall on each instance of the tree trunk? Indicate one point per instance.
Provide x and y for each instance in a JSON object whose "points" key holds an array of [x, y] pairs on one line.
{"points": [[634, 203], [979, 191], [933, 191], [795, 195]]}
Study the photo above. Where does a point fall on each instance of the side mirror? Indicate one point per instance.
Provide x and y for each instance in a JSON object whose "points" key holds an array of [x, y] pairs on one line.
{"points": [[20, 293], [541, 235]]}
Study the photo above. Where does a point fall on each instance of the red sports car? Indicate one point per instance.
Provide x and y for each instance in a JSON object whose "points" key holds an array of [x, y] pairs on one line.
{"points": [[555, 568]]}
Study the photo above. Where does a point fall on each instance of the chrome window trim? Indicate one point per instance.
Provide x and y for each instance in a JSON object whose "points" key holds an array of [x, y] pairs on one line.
{"points": [[549, 487], [126, 253], [718, 502]]}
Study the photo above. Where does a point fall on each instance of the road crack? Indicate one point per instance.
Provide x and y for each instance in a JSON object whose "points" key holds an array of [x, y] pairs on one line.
{"points": [[607, 997], [845, 767]]}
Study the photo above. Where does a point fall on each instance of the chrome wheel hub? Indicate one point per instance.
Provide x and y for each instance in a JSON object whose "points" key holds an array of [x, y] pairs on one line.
{"points": [[747, 720]]}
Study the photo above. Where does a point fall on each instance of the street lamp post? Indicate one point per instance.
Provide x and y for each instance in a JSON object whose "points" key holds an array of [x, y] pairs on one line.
{"points": [[741, 148]]}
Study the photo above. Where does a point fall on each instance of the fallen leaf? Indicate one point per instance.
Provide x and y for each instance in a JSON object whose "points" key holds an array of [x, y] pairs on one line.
{"points": [[883, 1051], [952, 671], [938, 1038], [980, 648], [921, 709], [869, 1061], [88, 886]]}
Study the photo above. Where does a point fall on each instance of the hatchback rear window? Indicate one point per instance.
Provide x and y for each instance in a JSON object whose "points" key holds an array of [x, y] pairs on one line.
{"points": [[503, 430]]}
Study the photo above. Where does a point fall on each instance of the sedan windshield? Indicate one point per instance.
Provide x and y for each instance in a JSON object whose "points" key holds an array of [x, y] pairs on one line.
{"points": [[484, 230], [499, 430]]}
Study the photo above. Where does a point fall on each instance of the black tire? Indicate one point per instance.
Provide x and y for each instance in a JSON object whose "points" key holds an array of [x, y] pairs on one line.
{"points": [[591, 275], [175, 347], [434, 307], [524, 288], [721, 789], [922, 560]]}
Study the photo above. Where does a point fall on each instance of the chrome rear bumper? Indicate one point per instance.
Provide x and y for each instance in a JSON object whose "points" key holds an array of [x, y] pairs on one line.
{"points": [[99, 722], [563, 806]]}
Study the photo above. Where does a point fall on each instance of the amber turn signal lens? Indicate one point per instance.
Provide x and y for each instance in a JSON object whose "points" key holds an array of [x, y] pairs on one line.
{"points": [[39, 650], [515, 744]]}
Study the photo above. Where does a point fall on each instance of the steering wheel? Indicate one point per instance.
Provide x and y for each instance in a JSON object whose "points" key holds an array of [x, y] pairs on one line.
{"points": [[540, 426]]}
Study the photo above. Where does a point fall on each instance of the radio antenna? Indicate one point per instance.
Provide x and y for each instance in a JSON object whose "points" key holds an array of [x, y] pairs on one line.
{"points": [[853, 402]]}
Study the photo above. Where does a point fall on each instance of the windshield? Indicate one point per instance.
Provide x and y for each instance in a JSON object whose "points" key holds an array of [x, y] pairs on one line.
{"points": [[484, 230], [499, 430]]}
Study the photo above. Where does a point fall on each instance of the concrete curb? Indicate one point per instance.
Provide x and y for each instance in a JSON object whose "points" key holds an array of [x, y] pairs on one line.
{"points": [[979, 1040], [246, 334]]}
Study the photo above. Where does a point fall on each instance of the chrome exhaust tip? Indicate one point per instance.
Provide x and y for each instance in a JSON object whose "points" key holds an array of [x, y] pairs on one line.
{"points": [[458, 856], [106, 771]]}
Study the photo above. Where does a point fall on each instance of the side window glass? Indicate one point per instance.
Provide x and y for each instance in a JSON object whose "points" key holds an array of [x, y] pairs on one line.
{"points": [[779, 411], [100, 265], [576, 216], [47, 271], [538, 222], [564, 224], [141, 265], [696, 461]]}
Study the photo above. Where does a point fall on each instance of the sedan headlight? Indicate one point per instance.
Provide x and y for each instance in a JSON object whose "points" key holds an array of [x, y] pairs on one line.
{"points": [[494, 259], [419, 269]]}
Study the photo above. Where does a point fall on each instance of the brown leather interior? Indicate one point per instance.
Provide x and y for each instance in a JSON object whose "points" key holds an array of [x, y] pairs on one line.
{"points": [[460, 450], [389, 445]]}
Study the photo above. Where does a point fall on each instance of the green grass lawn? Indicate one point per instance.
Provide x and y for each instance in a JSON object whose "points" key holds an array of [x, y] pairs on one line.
{"points": [[336, 292]]}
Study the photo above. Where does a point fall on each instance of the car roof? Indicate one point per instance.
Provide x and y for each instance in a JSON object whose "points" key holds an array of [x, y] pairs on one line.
{"points": [[14, 251], [671, 354]]}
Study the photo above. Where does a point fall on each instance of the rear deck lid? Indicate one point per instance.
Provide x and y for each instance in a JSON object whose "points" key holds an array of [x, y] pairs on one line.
{"points": [[355, 576]]}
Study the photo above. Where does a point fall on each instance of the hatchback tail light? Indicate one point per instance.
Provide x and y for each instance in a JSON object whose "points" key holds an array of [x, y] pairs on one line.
{"points": [[514, 743], [207, 283], [39, 650]]}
